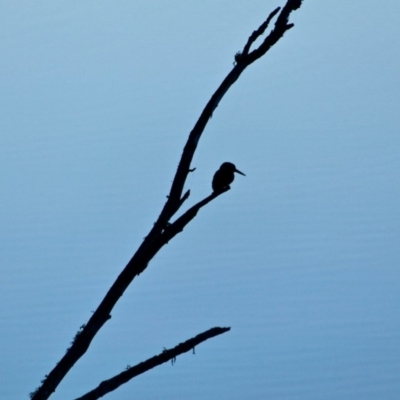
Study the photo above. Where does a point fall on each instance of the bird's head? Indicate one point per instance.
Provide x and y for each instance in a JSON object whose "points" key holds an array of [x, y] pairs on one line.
{"points": [[230, 167]]}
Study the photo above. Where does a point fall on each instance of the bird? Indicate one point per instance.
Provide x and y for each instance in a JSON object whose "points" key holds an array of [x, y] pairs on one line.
{"points": [[224, 176]]}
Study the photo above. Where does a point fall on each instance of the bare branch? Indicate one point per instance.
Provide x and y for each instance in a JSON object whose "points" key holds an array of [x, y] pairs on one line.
{"points": [[167, 355], [163, 230]]}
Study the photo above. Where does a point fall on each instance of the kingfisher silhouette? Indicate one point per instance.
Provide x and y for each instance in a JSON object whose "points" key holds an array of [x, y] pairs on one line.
{"points": [[224, 176]]}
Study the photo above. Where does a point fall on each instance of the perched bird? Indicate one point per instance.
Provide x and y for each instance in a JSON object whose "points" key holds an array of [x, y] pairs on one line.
{"points": [[224, 176]]}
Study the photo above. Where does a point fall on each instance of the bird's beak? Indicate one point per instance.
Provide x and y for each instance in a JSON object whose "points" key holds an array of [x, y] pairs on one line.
{"points": [[239, 172]]}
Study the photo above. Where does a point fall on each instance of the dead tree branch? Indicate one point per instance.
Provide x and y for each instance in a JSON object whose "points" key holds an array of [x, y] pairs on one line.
{"points": [[116, 381], [163, 230]]}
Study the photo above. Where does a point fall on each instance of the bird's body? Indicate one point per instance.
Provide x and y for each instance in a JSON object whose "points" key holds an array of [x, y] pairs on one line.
{"points": [[224, 176]]}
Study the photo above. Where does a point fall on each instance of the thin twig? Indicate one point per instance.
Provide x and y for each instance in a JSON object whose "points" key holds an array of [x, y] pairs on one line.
{"points": [[116, 381]]}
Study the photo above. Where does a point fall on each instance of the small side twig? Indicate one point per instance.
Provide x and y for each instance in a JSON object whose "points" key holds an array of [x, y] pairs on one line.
{"points": [[184, 198], [166, 355]]}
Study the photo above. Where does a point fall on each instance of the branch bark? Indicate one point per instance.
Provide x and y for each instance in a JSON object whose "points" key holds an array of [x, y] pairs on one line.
{"points": [[163, 230], [116, 381]]}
